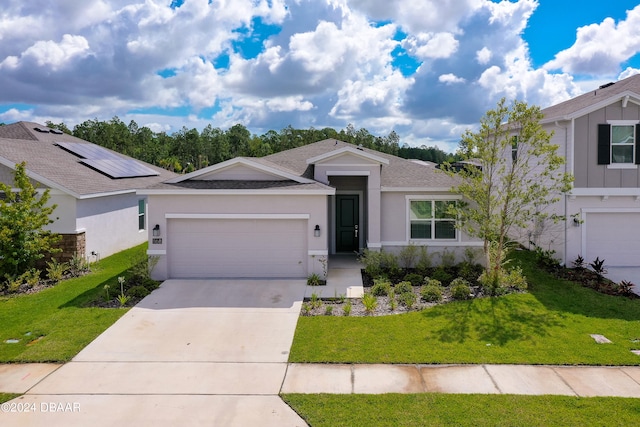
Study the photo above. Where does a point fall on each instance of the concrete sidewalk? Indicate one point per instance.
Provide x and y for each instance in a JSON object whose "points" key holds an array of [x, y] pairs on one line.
{"points": [[583, 381]]}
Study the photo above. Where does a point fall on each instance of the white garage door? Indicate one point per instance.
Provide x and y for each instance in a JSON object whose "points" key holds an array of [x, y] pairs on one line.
{"points": [[208, 248], [614, 237]]}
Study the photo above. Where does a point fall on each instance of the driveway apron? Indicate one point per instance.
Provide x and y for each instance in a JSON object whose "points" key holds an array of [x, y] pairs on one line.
{"points": [[194, 352]]}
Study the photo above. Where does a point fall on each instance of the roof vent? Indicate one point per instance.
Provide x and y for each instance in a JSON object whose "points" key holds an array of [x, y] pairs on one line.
{"points": [[56, 131], [41, 130], [607, 85]]}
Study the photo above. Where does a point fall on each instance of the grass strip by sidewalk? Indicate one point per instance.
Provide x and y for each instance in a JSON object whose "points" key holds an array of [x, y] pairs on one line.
{"points": [[549, 325], [392, 410], [56, 323]]}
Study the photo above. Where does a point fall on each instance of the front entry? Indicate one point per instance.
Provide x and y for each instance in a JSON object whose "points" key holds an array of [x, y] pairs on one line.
{"points": [[347, 223]]}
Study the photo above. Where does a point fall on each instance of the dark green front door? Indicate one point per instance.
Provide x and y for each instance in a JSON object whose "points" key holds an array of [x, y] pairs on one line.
{"points": [[347, 226]]}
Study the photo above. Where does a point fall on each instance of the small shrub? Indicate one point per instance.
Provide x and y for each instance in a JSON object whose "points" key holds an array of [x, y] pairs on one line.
{"points": [[78, 265], [314, 280], [106, 291], [408, 255], [460, 290], [372, 262], [598, 267], [328, 310], [407, 299], [123, 300], [432, 282], [546, 259], [414, 278], [447, 258], [515, 279], [315, 301], [55, 270], [442, 275], [579, 263], [31, 277], [138, 292], [625, 287], [494, 284], [150, 284], [469, 272], [389, 262], [423, 264], [431, 293], [346, 308], [393, 303], [306, 309], [381, 287], [370, 303], [403, 288]]}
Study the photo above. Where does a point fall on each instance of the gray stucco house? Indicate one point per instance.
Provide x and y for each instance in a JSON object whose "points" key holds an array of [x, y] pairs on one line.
{"points": [[99, 212], [285, 214]]}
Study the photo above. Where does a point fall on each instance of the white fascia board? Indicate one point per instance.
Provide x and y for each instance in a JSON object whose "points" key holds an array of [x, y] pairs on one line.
{"points": [[416, 189], [242, 161], [344, 150], [184, 192], [604, 192], [235, 216]]}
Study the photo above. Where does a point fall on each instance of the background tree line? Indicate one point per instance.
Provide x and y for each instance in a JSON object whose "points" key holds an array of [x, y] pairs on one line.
{"points": [[188, 149]]}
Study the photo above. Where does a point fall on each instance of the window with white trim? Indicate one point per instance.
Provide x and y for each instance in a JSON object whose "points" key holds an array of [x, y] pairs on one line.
{"points": [[430, 220], [622, 144], [141, 215]]}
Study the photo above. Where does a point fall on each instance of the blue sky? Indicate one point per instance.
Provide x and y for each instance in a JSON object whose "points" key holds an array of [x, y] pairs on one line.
{"points": [[383, 65]]}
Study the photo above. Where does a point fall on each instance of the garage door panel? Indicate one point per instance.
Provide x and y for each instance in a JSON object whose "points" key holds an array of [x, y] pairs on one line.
{"points": [[237, 248], [614, 237]]}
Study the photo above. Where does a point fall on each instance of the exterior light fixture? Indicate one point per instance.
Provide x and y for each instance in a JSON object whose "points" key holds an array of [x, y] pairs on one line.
{"points": [[576, 222], [156, 230], [316, 231]]}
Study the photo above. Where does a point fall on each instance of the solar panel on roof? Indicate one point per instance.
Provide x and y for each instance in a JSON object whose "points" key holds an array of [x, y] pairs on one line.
{"points": [[106, 162], [122, 168]]}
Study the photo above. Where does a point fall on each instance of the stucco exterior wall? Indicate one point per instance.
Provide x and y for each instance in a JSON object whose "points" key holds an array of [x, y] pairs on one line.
{"points": [[314, 205], [395, 226], [110, 224]]}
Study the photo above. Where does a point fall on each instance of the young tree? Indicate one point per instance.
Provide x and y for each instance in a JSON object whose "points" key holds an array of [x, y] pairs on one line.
{"points": [[521, 176], [23, 216]]}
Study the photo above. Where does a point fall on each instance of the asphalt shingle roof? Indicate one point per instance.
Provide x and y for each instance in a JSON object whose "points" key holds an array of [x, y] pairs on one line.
{"points": [[22, 142], [566, 108], [399, 173]]}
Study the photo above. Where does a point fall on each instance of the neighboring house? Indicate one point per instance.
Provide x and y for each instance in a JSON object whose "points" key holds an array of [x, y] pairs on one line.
{"points": [[599, 134], [98, 212], [284, 214]]}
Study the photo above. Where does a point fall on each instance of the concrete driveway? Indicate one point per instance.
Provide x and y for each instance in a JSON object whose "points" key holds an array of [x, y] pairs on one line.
{"points": [[194, 352]]}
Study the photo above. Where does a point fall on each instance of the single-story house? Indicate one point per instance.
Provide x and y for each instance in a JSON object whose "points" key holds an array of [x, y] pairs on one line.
{"points": [[98, 211], [599, 134], [285, 214]]}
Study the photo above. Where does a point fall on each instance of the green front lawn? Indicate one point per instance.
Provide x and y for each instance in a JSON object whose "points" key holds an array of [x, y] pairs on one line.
{"points": [[549, 325], [56, 323], [462, 410]]}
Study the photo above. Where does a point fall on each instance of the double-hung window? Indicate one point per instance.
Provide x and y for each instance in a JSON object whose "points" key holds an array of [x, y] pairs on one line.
{"points": [[618, 143], [430, 220]]}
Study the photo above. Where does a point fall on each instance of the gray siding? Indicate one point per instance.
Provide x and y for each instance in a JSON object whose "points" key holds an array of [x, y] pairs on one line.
{"points": [[588, 173]]}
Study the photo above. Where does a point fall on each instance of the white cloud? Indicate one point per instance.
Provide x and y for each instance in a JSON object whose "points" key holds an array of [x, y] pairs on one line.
{"points": [[483, 56], [450, 79], [426, 45], [601, 48], [50, 54]]}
